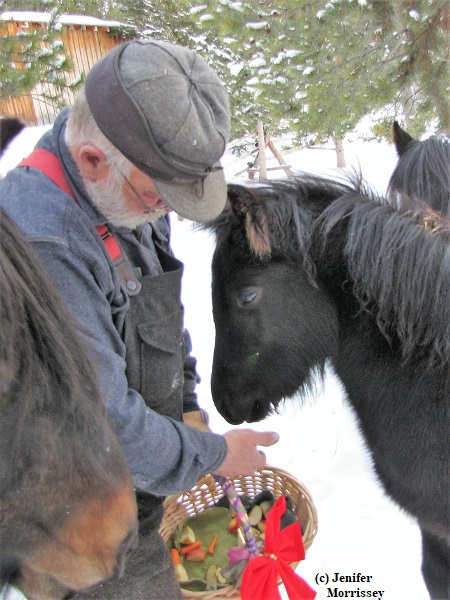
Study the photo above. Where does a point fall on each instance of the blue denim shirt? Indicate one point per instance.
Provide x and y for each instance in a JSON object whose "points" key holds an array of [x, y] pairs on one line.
{"points": [[164, 456]]}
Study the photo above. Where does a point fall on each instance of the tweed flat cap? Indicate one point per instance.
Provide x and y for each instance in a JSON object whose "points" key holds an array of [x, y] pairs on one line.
{"points": [[166, 110]]}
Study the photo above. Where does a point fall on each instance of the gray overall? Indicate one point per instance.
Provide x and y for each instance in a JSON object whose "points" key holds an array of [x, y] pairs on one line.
{"points": [[155, 358]]}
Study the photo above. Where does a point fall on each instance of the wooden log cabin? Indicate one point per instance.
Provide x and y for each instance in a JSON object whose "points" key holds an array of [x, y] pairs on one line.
{"points": [[86, 39]]}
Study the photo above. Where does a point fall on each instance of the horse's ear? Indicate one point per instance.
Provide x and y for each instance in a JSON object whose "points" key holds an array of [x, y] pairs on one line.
{"points": [[402, 140], [237, 198], [249, 207]]}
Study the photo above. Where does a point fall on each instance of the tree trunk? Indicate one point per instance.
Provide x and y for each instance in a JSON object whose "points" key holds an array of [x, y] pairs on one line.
{"points": [[340, 156], [253, 165], [261, 151]]}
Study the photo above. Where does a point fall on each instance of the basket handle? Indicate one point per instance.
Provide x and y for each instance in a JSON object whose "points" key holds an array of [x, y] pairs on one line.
{"points": [[241, 513]]}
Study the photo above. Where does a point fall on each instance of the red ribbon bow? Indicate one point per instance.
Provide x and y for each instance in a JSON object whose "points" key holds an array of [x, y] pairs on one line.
{"points": [[281, 547]]}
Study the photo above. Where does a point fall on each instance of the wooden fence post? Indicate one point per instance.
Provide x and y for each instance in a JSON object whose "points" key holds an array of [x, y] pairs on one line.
{"points": [[280, 159]]}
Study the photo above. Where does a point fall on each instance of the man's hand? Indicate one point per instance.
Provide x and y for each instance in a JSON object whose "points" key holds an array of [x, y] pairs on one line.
{"points": [[243, 457]]}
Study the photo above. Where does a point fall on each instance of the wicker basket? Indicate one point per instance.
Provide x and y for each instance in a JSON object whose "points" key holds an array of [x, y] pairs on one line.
{"points": [[208, 492]]}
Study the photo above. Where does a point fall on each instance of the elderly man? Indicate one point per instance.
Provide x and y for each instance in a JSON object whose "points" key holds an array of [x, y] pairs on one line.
{"points": [[144, 137]]}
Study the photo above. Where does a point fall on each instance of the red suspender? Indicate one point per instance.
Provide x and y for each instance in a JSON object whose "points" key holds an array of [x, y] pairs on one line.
{"points": [[50, 165], [110, 241], [47, 162]]}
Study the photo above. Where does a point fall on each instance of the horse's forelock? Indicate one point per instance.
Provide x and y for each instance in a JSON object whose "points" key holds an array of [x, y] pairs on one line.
{"points": [[258, 234]]}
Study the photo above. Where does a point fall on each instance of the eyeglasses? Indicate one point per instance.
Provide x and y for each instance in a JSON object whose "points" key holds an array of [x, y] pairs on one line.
{"points": [[147, 209]]}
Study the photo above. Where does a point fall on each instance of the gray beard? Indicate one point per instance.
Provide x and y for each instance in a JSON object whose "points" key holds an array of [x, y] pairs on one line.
{"points": [[109, 199]]}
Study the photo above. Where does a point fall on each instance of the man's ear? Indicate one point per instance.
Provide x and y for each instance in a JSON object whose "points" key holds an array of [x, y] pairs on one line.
{"points": [[92, 163]]}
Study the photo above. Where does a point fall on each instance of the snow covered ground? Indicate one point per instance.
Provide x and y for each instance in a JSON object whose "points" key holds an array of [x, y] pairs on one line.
{"points": [[360, 530]]}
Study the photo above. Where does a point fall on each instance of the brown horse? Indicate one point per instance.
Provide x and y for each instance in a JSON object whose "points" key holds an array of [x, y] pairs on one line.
{"points": [[67, 505]]}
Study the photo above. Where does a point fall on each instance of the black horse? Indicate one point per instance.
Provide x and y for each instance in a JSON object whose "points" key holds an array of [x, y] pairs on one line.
{"points": [[310, 269], [422, 174], [67, 505], [10, 127]]}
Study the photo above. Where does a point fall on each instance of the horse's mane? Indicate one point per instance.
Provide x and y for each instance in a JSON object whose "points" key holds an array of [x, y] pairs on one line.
{"points": [[399, 262], [422, 174], [400, 266], [43, 364]]}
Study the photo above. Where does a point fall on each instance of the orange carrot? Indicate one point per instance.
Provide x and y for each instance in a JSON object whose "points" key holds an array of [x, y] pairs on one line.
{"points": [[213, 543], [189, 547], [175, 556]]}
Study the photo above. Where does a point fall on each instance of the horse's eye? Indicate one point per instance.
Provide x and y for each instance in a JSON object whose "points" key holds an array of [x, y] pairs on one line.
{"points": [[248, 296]]}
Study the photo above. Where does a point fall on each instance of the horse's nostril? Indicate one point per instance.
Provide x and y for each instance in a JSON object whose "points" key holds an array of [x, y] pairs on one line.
{"points": [[258, 412], [227, 408]]}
